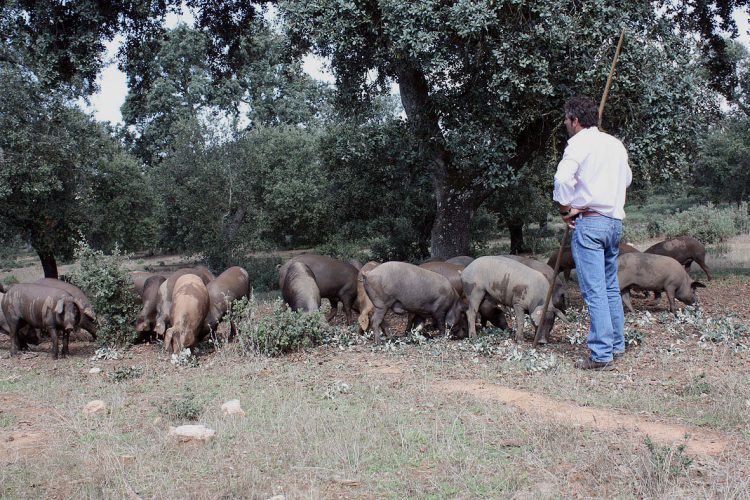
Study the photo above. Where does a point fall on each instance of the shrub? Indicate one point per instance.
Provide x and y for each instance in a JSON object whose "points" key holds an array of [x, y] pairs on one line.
{"points": [[277, 333], [262, 272], [634, 232], [343, 250], [707, 223], [185, 407], [401, 242], [109, 289]]}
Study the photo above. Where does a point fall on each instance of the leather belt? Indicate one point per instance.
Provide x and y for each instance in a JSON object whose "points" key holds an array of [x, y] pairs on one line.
{"points": [[590, 213]]}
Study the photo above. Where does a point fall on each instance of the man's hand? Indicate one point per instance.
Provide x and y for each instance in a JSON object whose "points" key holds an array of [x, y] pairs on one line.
{"points": [[570, 217]]}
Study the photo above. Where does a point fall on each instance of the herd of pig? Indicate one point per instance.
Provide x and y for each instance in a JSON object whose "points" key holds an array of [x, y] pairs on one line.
{"points": [[182, 308]]}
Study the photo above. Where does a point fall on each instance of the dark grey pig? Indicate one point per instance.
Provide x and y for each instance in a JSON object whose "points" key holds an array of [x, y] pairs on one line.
{"points": [[300, 290]]}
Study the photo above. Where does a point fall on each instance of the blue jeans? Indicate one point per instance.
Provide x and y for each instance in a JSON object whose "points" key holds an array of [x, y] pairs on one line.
{"points": [[595, 247]]}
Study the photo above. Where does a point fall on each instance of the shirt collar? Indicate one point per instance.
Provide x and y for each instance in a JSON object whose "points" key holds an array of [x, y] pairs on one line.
{"points": [[583, 134]]}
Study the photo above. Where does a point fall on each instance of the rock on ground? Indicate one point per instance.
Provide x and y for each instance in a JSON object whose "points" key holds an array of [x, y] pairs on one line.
{"points": [[192, 433], [231, 408], [96, 407]]}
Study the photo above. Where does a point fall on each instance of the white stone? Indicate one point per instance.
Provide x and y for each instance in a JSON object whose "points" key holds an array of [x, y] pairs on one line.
{"points": [[95, 369], [232, 408], [192, 433], [96, 407]]}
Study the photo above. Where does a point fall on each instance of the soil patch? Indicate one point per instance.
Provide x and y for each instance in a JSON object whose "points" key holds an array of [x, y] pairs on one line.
{"points": [[699, 442]]}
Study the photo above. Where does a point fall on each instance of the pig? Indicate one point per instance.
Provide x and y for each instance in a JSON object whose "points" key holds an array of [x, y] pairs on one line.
{"points": [[647, 271], [685, 250], [138, 278], [511, 284], [25, 335], [488, 310], [232, 284], [558, 299], [405, 287], [463, 260], [146, 320], [300, 290], [363, 301], [88, 321], [43, 308], [567, 263], [336, 280], [189, 307], [164, 307]]}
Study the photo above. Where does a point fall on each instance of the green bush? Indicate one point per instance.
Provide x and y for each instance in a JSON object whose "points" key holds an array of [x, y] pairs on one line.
{"points": [[343, 250], [262, 272], [707, 223], [634, 232], [401, 241], [185, 407], [110, 291], [277, 333]]}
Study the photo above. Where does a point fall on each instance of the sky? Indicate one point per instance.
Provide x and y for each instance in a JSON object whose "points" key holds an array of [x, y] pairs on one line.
{"points": [[105, 104]]}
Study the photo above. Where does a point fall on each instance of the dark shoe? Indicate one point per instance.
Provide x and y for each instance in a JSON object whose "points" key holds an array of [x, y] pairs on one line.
{"points": [[618, 355], [589, 364]]}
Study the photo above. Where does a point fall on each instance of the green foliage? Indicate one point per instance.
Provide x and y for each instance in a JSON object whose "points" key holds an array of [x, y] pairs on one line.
{"points": [[109, 289], [707, 223], [400, 241], [277, 333], [723, 167], [343, 250], [185, 407], [125, 373], [666, 461], [262, 272]]}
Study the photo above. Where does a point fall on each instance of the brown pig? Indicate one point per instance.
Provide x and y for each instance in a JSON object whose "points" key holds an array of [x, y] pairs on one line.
{"points": [[232, 284], [683, 249], [462, 260], [43, 308], [488, 310], [189, 304], [511, 284], [146, 320], [559, 299], [300, 290], [656, 273], [336, 280], [164, 308], [88, 319], [404, 287], [363, 301]]}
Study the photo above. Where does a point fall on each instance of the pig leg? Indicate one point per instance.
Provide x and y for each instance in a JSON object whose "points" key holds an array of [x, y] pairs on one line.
{"points": [[348, 302], [625, 294], [66, 341], [520, 317], [13, 333], [701, 263], [377, 319], [334, 309], [55, 342], [670, 298], [475, 299]]}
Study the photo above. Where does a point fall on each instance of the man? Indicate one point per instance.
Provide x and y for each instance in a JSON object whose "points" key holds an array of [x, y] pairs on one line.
{"points": [[590, 187]]}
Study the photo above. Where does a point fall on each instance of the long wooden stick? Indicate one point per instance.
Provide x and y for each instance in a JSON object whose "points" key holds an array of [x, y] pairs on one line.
{"points": [[611, 75], [567, 228]]}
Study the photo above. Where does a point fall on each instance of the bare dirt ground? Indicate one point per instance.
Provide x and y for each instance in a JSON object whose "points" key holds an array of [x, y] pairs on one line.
{"points": [[419, 418]]}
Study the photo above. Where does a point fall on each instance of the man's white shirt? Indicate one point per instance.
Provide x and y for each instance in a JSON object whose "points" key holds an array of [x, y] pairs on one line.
{"points": [[593, 173]]}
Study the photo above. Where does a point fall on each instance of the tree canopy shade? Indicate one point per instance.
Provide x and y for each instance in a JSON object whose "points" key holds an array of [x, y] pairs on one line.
{"points": [[483, 83], [63, 175]]}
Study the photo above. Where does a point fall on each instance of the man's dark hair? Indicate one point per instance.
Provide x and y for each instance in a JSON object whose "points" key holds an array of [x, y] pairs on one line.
{"points": [[583, 108]]}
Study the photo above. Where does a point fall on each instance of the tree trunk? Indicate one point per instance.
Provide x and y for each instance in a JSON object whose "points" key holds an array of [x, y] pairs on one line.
{"points": [[457, 195], [49, 264], [516, 237]]}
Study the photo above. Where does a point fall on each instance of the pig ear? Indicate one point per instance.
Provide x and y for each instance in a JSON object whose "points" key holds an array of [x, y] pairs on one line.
{"points": [[697, 284], [87, 311], [60, 306]]}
